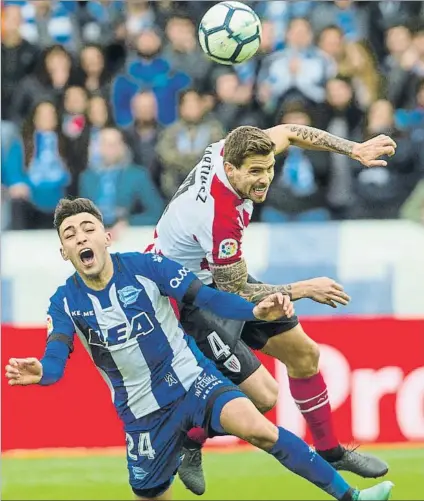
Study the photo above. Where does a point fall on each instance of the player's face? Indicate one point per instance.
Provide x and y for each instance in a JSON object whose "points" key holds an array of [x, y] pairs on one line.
{"points": [[253, 178], [84, 243]]}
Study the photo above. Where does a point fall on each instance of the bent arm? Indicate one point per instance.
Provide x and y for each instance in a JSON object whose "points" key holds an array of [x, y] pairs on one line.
{"points": [[233, 278], [309, 138]]}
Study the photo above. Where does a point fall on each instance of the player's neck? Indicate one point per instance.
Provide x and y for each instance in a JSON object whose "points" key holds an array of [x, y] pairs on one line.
{"points": [[101, 281]]}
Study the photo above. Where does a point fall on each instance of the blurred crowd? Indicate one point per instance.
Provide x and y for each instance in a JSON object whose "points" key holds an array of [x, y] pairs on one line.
{"points": [[115, 101]]}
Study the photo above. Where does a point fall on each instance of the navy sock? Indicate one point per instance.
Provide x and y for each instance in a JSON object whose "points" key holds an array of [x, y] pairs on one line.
{"points": [[298, 457]]}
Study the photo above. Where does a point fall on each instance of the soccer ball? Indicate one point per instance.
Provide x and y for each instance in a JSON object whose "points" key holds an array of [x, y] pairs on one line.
{"points": [[230, 32]]}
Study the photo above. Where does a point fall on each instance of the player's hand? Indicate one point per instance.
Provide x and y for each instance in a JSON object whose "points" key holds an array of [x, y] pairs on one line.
{"points": [[370, 151], [274, 307], [24, 371], [325, 290]]}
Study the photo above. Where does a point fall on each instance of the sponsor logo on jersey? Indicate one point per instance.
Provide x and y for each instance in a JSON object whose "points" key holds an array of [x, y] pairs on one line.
{"points": [[233, 364], [49, 325], [176, 282], [128, 295], [228, 248], [139, 473], [170, 379], [204, 384]]}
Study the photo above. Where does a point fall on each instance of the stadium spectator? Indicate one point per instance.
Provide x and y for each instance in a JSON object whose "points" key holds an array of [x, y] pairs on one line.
{"points": [[99, 116], [360, 67], [142, 135], [101, 19], [48, 22], [139, 17], [18, 57], [15, 189], [76, 132], [234, 101], [44, 168], [124, 191], [332, 42], [381, 191], [342, 117], [182, 144], [50, 81], [94, 75], [298, 192], [148, 70], [397, 65], [353, 20], [183, 52], [308, 69]]}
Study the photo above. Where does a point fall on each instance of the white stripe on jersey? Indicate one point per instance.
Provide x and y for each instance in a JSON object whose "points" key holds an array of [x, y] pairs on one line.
{"points": [[128, 358], [184, 362], [84, 342]]}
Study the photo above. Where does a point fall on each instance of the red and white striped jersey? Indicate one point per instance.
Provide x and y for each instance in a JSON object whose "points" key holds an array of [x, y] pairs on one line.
{"points": [[205, 220]]}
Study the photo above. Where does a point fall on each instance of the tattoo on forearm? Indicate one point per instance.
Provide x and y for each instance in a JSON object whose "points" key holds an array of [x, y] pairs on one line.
{"points": [[233, 278], [322, 140]]}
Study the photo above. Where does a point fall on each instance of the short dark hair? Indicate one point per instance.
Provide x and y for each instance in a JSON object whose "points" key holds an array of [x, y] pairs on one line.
{"points": [[244, 142], [71, 207]]}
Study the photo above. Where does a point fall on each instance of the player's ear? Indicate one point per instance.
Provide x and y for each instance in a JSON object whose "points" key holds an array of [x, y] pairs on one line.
{"points": [[64, 255], [229, 169], [108, 237]]}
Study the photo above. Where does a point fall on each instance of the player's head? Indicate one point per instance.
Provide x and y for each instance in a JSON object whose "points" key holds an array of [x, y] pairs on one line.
{"points": [[249, 162], [84, 239]]}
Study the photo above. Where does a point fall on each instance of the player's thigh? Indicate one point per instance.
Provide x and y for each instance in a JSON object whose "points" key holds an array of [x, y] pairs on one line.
{"points": [[296, 350], [239, 417], [153, 450], [261, 388], [219, 340]]}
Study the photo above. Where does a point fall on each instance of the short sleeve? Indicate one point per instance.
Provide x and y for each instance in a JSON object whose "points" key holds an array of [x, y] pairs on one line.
{"points": [[221, 235], [58, 320]]}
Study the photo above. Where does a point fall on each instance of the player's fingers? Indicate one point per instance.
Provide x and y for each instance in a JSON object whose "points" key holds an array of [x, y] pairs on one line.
{"points": [[341, 295], [13, 361], [337, 286], [331, 303], [340, 300], [377, 163], [12, 370]]}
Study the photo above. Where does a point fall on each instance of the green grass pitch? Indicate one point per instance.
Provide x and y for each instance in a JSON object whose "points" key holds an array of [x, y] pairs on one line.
{"points": [[247, 475]]}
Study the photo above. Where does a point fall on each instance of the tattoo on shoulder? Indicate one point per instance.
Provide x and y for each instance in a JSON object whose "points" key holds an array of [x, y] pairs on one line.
{"points": [[323, 139]]}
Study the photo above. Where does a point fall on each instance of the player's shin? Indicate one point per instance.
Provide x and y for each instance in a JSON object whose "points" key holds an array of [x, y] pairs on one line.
{"points": [[298, 457], [311, 397]]}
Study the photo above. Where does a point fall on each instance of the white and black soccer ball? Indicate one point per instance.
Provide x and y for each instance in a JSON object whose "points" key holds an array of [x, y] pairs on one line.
{"points": [[230, 32]]}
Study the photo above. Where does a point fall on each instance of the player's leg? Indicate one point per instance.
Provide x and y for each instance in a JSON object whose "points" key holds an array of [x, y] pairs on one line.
{"points": [[218, 339], [154, 452], [286, 340], [237, 416]]}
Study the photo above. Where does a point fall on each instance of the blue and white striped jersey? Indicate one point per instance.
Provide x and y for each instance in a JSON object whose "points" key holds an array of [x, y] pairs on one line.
{"points": [[131, 332]]}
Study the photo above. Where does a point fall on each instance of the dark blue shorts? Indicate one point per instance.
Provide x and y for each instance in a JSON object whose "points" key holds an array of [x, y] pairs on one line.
{"points": [[154, 442]]}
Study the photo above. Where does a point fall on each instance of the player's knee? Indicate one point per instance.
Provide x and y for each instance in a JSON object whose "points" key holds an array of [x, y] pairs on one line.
{"points": [[269, 396], [263, 437], [306, 361]]}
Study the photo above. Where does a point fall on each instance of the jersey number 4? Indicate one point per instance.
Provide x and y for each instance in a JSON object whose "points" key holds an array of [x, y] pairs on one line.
{"points": [[218, 347], [144, 447]]}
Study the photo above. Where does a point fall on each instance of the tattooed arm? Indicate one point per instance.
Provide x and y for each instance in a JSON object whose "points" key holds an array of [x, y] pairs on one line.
{"points": [[310, 138], [233, 278]]}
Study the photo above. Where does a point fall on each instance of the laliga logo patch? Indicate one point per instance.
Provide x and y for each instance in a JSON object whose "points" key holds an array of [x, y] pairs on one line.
{"points": [[228, 248], [49, 325], [128, 295]]}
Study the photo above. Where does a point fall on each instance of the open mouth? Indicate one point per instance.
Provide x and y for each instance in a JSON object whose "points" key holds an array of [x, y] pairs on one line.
{"points": [[87, 256], [260, 191]]}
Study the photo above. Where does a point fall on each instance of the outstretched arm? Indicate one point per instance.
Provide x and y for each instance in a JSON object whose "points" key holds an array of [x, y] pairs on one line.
{"points": [[233, 278], [311, 138]]}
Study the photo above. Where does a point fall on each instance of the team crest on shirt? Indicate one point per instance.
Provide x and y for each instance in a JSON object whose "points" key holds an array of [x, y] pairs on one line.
{"points": [[228, 248], [49, 325], [139, 473], [128, 295]]}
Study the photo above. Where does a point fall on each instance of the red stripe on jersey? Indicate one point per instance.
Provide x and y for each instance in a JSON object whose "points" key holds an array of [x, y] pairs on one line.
{"points": [[226, 228]]}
